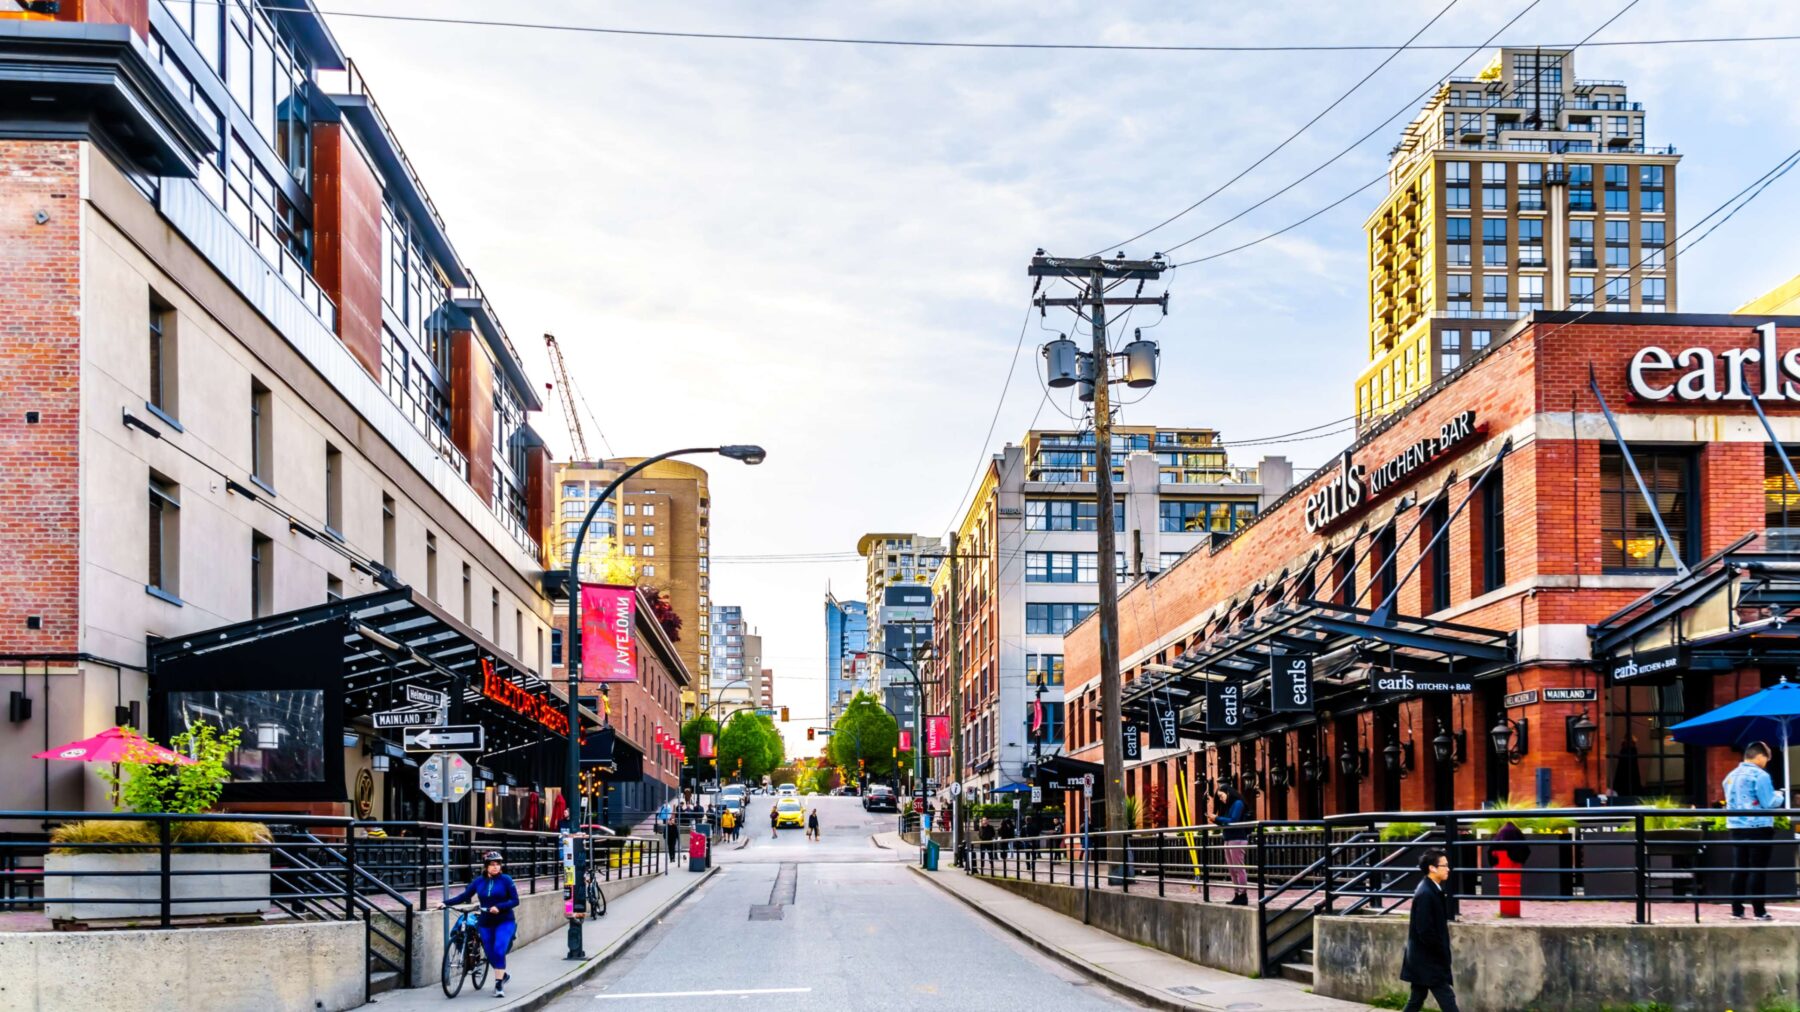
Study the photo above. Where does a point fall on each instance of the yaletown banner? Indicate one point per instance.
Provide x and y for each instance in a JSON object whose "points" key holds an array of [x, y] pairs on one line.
{"points": [[608, 633]]}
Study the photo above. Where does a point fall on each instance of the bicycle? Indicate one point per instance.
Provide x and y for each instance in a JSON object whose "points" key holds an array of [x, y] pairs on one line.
{"points": [[596, 897], [463, 955]]}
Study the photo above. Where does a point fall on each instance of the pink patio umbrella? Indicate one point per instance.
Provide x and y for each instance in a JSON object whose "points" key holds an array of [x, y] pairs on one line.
{"points": [[115, 745]]}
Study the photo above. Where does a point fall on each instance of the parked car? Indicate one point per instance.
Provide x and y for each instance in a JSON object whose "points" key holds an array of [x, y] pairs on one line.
{"points": [[788, 812], [881, 798], [788, 790]]}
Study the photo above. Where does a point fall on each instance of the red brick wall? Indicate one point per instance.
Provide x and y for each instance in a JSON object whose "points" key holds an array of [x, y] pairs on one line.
{"points": [[347, 241], [40, 342], [472, 409], [135, 13]]}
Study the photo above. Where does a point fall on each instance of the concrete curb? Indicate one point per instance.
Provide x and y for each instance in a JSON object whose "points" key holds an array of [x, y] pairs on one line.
{"points": [[569, 981], [877, 842], [1127, 988]]}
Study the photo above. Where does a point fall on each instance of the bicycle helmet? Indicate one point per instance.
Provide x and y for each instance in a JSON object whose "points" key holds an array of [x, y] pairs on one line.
{"points": [[493, 857]]}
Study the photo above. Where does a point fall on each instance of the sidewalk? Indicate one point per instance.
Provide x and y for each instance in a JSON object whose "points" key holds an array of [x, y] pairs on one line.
{"points": [[1154, 978], [542, 971]]}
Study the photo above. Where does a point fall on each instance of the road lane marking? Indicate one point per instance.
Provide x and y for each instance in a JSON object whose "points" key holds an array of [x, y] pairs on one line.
{"points": [[704, 994]]}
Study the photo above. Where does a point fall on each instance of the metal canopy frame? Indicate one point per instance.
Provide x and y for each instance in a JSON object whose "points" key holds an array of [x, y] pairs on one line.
{"points": [[1761, 573], [1342, 640], [391, 639]]}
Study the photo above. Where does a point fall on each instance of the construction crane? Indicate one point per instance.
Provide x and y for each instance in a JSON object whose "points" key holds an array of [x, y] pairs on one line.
{"points": [[566, 392]]}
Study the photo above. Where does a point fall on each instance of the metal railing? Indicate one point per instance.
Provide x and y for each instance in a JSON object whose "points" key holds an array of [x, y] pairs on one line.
{"points": [[409, 856], [1294, 870]]}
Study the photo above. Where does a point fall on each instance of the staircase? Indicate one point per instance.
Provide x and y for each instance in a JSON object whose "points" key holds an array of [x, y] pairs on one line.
{"points": [[1289, 909], [309, 889], [1300, 968]]}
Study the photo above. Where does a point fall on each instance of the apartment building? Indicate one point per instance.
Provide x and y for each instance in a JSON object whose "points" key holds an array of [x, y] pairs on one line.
{"points": [[728, 631], [272, 448], [1032, 527], [1519, 189], [846, 650], [659, 522]]}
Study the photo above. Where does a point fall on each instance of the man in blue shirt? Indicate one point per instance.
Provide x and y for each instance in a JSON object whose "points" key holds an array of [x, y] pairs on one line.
{"points": [[1748, 787]]}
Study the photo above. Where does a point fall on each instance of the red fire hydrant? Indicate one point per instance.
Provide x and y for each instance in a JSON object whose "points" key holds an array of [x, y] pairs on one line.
{"points": [[1509, 883]]}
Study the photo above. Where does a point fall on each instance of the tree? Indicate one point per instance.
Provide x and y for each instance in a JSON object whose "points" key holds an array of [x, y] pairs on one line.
{"points": [[748, 747], [664, 610], [865, 731], [604, 561], [690, 743]]}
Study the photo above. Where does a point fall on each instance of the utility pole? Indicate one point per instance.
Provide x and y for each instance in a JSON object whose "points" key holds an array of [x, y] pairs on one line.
{"points": [[1097, 277], [955, 699]]}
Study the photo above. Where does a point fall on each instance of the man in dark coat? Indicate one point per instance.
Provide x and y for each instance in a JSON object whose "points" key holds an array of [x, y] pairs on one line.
{"points": [[1427, 963]]}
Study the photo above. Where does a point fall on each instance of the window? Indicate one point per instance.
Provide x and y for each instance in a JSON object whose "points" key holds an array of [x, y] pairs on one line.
{"points": [[631, 509], [262, 581], [1384, 565], [1618, 188], [1531, 242], [1437, 562], [1531, 292], [1187, 516], [1060, 567], [1060, 515], [556, 647], [1654, 763], [630, 530], [1456, 291], [1651, 239], [1581, 243], [262, 434], [1493, 292], [1531, 186], [1781, 499], [1581, 292], [518, 634], [1343, 576], [1054, 619], [649, 530], [1054, 723], [162, 358], [1629, 538], [1449, 351], [1493, 531], [334, 490], [649, 509], [389, 545], [1654, 293], [334, 589], [1493, 241], [1479, 340], [1618, 294], [1581, 187], [1650, 189], [494, 618], [431, 565], [1618, 243], [572, 490], [164, 537], [631, 550], [468, 594], [1043, 669], [1456, 185], [649, 570], [1168, 559], [649, 551], [1456, 241]]}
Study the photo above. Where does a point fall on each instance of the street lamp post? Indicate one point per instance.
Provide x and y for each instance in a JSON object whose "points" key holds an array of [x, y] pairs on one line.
{"points": [[918, 748], [572, 772]]}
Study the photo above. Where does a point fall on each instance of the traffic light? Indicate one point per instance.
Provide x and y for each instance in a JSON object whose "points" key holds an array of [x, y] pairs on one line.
{"points": [[809, 733], [784, 714]]}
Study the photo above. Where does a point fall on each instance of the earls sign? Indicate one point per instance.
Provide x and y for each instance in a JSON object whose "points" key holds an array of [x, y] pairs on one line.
{"points": [[1355, 486], [1702, 374]]}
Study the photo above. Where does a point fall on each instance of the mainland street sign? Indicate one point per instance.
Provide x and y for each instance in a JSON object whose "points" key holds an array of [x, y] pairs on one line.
{"points": [[409, 718], [453, 738]]}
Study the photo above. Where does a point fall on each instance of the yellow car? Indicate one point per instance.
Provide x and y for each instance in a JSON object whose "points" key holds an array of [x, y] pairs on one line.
{"points": [[789, 813]]}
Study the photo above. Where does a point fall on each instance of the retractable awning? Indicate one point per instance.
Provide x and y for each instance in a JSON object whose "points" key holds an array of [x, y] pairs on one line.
{"points": [[1061, 773], [1353, 651]]}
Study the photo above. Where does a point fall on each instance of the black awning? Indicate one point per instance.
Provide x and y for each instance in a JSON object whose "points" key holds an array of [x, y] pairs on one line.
{"points": [[364, 653], [1733, 608], [1352, 649], [1061, 773]]}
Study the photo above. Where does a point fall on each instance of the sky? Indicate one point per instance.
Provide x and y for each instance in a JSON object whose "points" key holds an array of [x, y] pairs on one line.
{"points": [[822, 248]]}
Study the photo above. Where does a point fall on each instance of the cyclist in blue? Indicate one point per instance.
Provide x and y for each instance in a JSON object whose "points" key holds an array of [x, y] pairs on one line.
{"points": [[497, 897]]}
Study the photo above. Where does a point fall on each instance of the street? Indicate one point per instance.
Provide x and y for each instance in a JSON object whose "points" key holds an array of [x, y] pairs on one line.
{"points": [[840, 924]]}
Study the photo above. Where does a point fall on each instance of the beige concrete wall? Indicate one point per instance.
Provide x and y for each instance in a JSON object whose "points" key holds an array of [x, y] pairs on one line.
{"points": [[1211, 934], [1545, 966], [288, 966]]}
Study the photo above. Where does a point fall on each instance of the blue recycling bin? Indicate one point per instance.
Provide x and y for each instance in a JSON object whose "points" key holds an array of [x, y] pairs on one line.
{"points": [[931, 855]]}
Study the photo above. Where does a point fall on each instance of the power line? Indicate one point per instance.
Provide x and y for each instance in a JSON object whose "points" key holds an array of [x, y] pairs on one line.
{"points": [[1349, 47], [1272, 152], [1290, 227], [992, 422]]}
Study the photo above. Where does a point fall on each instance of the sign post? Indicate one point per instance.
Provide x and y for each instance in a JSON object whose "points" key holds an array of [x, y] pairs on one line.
{"points": [[444, 778]]}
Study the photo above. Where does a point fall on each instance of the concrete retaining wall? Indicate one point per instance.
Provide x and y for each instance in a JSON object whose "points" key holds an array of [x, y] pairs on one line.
{"points": [[1552, 966], [537, 914], [282, 966], [1222, 937]]}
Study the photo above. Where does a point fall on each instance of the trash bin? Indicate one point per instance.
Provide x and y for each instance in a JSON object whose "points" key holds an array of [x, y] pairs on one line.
{"points": [[931, 855], [698, 853]]}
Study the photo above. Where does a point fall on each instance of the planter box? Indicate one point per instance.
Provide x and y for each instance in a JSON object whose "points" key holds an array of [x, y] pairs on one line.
{"points": [[1669, 850], [197, 887], [1720, 854]]}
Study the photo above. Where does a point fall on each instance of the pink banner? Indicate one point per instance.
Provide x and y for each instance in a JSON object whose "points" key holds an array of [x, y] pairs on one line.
{"points": [[937, 735], [608, 633], [906, 739], [706, 746]]}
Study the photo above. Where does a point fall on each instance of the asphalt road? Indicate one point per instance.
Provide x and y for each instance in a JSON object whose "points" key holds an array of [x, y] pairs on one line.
{"points": [[823, 927]]}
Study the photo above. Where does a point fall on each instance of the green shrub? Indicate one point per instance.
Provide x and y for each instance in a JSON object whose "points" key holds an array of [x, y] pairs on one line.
{"points": [[1778, 1003], [1397, 831], [119, 836], [1391, 999], [181, 790], [1660, 822]]}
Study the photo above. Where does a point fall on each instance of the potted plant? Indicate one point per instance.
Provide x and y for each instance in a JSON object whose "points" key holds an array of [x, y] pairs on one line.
{"points": [[95, 860], [1671, 841]]}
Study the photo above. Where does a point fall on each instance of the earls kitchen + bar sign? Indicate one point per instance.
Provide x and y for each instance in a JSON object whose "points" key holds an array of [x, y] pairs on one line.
{"points": [[1355, 486]]}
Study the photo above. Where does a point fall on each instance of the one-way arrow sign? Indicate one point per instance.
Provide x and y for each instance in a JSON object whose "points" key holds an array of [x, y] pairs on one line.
{"points": [[455, 738]]}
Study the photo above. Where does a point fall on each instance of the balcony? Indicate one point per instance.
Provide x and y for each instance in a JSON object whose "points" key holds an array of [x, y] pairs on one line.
{"points": [[1588, 262], [1472, 313]]}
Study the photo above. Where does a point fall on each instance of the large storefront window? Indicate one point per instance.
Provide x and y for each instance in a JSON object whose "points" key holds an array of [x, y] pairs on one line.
{"points": [[1781, 500], [1629, 538], [283, 731]]}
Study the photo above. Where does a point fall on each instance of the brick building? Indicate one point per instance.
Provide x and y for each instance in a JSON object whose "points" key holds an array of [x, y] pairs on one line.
{"points": [[269, 447], [1454, 671]]}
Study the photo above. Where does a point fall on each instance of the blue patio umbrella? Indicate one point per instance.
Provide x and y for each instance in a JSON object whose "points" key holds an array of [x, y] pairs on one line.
{"points": [[1762, 716]]}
